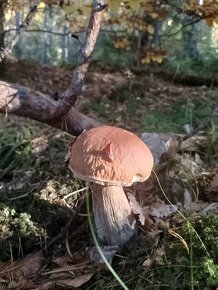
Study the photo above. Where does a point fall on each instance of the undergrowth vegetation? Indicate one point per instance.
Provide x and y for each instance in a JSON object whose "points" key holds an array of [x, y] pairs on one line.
{"points": [[33, 180]]}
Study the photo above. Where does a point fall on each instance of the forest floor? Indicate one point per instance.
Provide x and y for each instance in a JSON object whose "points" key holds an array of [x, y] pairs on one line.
{"points": [[38, 194]]}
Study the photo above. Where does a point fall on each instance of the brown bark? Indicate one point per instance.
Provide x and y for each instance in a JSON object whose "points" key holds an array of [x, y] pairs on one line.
{"points": [[24, 102], [114, 220], [74, 122], [68, 98]]}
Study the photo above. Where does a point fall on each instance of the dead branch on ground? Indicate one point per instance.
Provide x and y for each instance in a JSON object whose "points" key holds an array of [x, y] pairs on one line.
{"points": [[22, 101]]}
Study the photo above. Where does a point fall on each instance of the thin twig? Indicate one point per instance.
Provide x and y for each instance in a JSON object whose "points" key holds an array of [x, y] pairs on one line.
{"points": [[70, 34], [182, 28]]}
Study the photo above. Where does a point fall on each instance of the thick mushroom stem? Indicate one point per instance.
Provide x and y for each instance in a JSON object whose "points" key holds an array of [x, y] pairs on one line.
{"points": [[114, 221]]}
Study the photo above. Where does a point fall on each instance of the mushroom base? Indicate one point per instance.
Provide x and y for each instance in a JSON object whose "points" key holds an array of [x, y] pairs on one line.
{"points": [[114, 221]]}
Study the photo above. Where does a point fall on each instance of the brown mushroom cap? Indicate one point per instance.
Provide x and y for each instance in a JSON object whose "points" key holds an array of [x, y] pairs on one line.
{"points": [[110, 155]]}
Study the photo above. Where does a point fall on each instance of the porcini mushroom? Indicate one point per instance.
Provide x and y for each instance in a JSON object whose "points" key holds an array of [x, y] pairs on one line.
{"points": [[111, 158]]}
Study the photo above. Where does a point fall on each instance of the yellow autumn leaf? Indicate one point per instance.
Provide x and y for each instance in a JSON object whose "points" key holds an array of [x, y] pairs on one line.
{"points": [[120, 44], [150, 29], [134, 4], [145, 60], [209, 21], [159, 59], [41, 5], [114, 5], [153, 58]]}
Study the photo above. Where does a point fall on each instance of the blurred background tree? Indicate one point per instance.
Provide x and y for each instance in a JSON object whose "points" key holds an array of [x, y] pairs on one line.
{"points": [[2, 35], [178, 34]]}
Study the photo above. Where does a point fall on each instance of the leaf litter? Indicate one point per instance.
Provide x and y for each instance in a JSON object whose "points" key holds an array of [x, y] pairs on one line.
{"points": [[15, 275]]}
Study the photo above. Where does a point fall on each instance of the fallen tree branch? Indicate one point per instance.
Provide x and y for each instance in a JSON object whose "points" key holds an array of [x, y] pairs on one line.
{"points": [[31, 104]]}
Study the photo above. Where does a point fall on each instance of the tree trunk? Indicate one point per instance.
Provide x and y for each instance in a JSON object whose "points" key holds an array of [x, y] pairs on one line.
{"points": [[2, 37], [190, 39]]}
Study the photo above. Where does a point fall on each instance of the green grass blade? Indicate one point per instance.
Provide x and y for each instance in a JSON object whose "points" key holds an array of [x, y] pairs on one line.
{"points": [[122, 284]]}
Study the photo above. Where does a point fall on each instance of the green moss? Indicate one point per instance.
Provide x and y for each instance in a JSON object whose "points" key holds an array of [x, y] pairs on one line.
{"points": [[199, 269], [170, 266], [6, 218], [15, 230], [26, 226]]}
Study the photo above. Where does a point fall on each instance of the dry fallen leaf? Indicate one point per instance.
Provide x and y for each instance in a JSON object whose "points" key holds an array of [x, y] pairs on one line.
{"points": [[15, 275], [108, 251], [147, 262], [47, 286], [160, 210], [146, 191], [171, 147], [23, 284], [156, 257], [76, 282], [65, 283], [135, 207], [193, 143], [156, 143], [31, 264], [213, 186], [39, 144], [63, 260], [210, 186]]}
